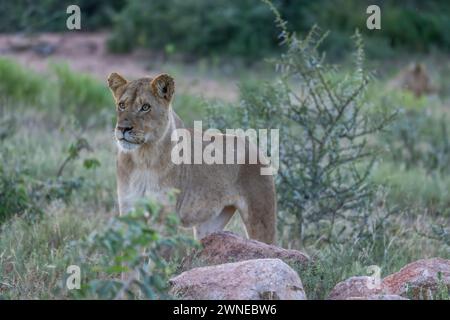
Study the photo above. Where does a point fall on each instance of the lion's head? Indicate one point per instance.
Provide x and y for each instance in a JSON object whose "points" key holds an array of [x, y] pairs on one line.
{"points": [[143, 109]]}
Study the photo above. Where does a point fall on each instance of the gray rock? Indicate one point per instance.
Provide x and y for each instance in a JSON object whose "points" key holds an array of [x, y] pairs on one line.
{"points": [[361, 286], [259, 279]]}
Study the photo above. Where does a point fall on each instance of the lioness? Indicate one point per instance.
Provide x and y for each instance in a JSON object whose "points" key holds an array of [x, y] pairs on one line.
{"points": [[414, 78], [209, 194]]}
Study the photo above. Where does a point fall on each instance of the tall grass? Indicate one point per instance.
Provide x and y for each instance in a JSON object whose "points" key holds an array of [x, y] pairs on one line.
{"points": [[19, 84], [59, 90], [415, 187], [33, 263], [80, 94]]}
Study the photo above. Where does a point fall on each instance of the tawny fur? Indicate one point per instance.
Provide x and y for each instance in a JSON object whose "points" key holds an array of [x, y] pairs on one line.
{"points": [[209, 195], [414, 78]]}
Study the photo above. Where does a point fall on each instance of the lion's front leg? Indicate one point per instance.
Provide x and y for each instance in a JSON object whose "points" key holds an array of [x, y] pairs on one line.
{"points": [[127, 199]]}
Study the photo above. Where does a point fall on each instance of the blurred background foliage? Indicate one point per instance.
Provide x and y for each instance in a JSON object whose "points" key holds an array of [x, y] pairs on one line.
{"points": [[202, 27], [50, 15]]}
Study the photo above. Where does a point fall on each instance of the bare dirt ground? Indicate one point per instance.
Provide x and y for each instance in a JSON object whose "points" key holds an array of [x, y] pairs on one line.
{"points": [[87, 53]]}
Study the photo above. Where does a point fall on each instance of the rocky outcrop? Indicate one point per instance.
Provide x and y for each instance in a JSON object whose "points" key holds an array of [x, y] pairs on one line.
{"points": [[378, 297], [353, 287], [259, 279], [422, 279], [224, 247]]}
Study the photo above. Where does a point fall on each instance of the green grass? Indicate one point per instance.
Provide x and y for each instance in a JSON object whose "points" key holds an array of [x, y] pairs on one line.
{"points": [[80, 93], [190, 108], [59, 91], [415, 188], [34, 257], [19, 84], [33, 263], [390, 251]]}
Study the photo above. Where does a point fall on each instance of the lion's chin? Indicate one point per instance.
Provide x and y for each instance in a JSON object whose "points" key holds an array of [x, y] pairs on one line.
{"points": [[127, 146]]}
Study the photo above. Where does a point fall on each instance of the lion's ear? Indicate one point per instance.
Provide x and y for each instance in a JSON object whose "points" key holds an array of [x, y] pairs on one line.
{"points": [[419, 68], [115, 82], [163, 86]]}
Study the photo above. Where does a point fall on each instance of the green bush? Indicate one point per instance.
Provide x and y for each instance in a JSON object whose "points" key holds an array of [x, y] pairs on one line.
{"points": [[59, 90], [80, 94], [139, 244], [244, 28], [50, 15], [15, 195], [239, 28], [413, 25], [189, 107], [324, 158], [18, 84], [23, 193], [198, 27]]}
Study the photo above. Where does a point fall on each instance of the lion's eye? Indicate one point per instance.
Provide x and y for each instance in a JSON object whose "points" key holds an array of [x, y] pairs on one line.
{"points": [[121, 105], [145, 107]]}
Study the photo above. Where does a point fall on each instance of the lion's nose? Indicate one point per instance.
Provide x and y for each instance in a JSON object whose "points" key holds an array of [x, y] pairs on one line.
{"points": [[124, 129]]}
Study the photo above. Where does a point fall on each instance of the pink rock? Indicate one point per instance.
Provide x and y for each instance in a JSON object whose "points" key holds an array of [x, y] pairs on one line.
{"points": [[378, 297], [419, 279], [361, 286], [224, 247], [260, 279]]}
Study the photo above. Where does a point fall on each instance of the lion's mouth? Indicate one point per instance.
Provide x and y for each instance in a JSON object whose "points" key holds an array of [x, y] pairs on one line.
{"points": [[128, 141], [125, 144]]}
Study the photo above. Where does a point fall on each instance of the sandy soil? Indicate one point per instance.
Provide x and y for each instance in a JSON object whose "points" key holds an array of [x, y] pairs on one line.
{"points": [[86, 52]]}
